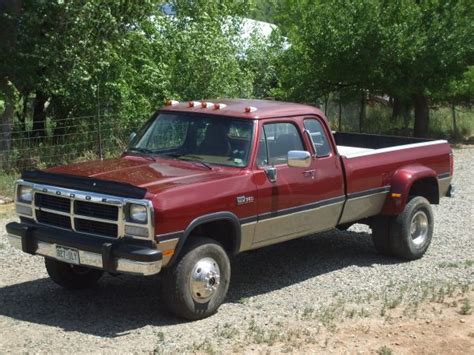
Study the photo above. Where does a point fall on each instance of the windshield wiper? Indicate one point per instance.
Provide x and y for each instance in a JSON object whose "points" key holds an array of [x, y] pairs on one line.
{"points": [[194, 160], [201, 162], [143, 152], [188, 157]]}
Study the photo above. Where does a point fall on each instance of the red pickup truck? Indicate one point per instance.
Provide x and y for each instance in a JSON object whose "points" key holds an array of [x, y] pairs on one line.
{"points": [[203, 181]]}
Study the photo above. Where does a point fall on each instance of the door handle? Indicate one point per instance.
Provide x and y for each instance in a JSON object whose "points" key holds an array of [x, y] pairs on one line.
{"points": [[310, 173]]}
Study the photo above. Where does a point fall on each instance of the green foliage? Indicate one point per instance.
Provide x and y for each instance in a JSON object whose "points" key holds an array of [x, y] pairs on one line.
{"points": [[407, 49], [398, 47], [461, 90], [79, 59], [126, 58]]}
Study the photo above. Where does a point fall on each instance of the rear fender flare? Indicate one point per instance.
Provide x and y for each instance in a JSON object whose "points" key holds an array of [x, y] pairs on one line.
{"points": [[401, 183]]}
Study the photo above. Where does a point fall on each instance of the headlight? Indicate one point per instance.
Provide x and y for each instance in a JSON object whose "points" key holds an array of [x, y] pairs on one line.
{"points": [[25, 194], [137, 213]]}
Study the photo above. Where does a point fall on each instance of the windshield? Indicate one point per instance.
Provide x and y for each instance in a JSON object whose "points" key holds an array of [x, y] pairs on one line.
{"points": [[207, 139]]}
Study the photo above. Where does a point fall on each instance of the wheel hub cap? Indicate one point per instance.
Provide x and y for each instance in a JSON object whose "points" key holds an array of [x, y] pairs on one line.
{"points": [[419, 228], [204, 280]]}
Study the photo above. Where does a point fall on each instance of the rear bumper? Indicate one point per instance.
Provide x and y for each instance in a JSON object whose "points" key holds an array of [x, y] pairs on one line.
{"points": [[451, 191], [121, 255]]}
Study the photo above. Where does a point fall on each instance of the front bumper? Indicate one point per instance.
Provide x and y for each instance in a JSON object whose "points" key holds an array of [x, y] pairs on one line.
{"points": [[119, 256]]}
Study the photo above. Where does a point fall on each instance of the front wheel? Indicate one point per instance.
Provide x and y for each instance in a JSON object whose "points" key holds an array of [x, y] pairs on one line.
{"points": [[197, 284], [407, 235]]}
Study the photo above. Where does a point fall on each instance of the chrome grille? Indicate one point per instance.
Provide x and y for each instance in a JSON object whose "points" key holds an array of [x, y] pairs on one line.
{"points": [[91, 209], [97, 218], [84, 212], [94, 227], [53, 219], [53, 202]]}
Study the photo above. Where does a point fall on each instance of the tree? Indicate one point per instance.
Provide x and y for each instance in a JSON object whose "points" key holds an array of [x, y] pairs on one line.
{"points": [[67, 59], [9, 11], [404, 48]]}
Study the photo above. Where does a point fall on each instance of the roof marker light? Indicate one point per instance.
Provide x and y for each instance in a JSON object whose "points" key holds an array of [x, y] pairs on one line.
{"points": [[193, 103], [205, 104], [250, 109], [171, 102], [219, 106]]}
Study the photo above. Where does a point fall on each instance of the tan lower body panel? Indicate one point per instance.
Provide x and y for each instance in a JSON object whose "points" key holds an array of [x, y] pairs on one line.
{"points": [[167, 247], [443, 185], [290, 226], [363, 207]]}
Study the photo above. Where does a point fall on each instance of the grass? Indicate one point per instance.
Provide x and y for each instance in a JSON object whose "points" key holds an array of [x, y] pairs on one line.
{"points": [[466, 263], [7, 183], [227, 331], [384, 350], [466, 308]]}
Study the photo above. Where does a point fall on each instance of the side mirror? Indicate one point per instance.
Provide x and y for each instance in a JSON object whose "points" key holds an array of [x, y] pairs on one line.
{"points": [[271, 172], [132, 135], [299, 159]]}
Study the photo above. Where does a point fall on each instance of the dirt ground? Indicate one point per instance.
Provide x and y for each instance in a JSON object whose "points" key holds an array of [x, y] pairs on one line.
{"points": [[440, 330]]}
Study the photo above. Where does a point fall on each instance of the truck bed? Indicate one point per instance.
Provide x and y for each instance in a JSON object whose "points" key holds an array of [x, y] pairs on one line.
{"points": [[356, 144], [371, 162]]}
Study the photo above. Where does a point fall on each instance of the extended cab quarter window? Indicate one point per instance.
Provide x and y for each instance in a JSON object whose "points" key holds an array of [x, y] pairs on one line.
{"points": [[279, 138], [320, 140]]}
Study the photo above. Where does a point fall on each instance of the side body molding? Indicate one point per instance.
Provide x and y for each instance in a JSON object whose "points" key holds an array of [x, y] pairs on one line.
{"points": [[401, 183], [212, 217]]}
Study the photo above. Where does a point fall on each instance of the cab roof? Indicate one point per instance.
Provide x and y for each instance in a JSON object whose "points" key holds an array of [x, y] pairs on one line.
{"points": [[259, 109]]}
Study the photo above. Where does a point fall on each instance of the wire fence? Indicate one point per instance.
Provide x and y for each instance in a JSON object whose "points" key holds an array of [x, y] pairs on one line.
{"points": [[27, 145]]}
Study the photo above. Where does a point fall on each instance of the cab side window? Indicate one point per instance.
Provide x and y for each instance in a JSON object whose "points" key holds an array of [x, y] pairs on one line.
{"points": [[320, 140], [279, 139]]}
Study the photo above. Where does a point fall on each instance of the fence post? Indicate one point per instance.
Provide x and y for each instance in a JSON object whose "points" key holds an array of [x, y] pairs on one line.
{"points": [[99, 130]]}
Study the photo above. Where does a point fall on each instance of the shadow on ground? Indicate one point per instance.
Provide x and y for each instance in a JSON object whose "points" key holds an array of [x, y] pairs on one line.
{"points": [[124, 303]]}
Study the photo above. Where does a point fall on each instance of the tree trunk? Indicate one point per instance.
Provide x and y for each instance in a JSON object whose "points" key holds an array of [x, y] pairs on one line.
{"points": [[422, 115], [362, 112], [39, 115], [24, 111], [397, 108], [339, 125], [401, 108], [326, 102], [406, 118], [6, 122]]}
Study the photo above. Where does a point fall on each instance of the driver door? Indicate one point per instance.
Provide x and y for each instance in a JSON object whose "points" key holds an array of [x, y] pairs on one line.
{"points": [[302, 200]]}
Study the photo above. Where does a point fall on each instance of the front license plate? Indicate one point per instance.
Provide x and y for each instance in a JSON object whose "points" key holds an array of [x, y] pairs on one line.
{"points": [[69, 255]]}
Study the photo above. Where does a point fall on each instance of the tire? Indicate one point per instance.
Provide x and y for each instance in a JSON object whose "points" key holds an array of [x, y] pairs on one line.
{"points": [[196, 285], [70, 276], [407, 235], [381, 234]]}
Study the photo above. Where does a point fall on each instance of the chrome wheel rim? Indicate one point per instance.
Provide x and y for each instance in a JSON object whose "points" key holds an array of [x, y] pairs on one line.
{"points": [[419, 228], [204, 280]]}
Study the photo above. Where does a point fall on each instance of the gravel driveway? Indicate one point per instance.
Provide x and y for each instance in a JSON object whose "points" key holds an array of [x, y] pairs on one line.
{"points": [[272, 289]]}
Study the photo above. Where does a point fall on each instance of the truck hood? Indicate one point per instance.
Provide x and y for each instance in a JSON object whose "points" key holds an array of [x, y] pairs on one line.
{"points": [[154, 176]]}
